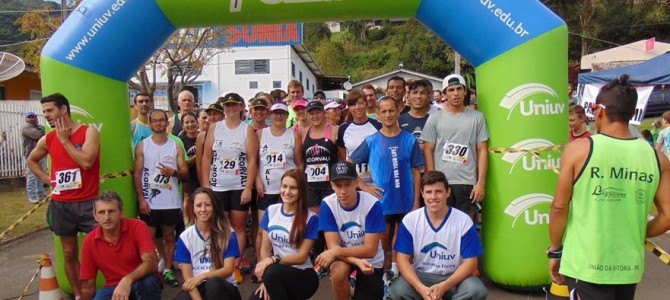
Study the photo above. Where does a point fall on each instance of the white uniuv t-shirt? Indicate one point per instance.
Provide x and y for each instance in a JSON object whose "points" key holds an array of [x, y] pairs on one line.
{"points": [[229, 159], [350, 135], [192, 249], [277, 224], [276, 155], [161, 191], [438, 250], [352, 224]]}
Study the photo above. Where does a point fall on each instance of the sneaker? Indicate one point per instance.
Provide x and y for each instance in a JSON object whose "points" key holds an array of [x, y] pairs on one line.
{"points": [[321, 272], [33, 201], [352, 278], [238, 275], [170, 279], [245, 267], [161, 266]]}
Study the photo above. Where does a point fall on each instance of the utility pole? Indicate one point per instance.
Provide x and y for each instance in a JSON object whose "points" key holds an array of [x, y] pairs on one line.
{"points": [[63, 10], [457, 63]]}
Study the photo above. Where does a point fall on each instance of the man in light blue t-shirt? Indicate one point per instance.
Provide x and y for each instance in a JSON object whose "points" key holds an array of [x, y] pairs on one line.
{"points": [[437, 249], [394, 159]]}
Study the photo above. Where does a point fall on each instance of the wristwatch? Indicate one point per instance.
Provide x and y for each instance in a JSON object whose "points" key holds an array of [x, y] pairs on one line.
{"points": [[276, 259], [555, 254], [174, 174]]}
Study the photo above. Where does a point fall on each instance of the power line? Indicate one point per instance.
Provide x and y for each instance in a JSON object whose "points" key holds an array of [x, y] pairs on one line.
{"points": [[34, 10], [23, 42]]}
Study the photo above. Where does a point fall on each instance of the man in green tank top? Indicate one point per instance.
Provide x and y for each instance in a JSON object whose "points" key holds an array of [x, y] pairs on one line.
{"points": [[599, 214]]}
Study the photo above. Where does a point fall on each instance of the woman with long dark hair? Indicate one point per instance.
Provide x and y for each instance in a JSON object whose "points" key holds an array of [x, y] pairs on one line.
{"points": [[206, 252], [289, 231]]}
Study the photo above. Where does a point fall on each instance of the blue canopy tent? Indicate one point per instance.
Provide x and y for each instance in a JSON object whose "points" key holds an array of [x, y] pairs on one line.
{"points": [[651, 72]]}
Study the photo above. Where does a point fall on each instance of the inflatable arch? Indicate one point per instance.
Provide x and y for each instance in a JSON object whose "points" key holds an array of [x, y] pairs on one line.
{"points": [[518, 48]]}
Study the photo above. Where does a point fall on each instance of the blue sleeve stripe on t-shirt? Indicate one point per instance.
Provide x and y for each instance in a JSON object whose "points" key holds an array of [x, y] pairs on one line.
{"points": [[404, 242], [326, 218], [374, 221], [470, 244]]}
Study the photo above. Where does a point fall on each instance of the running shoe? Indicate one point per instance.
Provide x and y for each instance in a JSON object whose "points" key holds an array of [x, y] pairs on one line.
{"points": [[245, 267], [238, 275], [170, 279]]}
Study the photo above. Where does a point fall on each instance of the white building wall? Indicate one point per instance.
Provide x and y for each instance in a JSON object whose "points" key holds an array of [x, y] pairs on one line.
{"points": [[307, 75], [218, 77]]}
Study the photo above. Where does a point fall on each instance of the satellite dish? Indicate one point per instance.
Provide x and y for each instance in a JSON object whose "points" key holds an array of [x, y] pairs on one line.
{"points": [[10, 66], [347, 85]]}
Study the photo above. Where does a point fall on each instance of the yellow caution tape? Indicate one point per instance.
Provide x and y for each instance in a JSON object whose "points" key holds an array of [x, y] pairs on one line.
{"points": [[39, 204], [658, 251], [522, 150]]}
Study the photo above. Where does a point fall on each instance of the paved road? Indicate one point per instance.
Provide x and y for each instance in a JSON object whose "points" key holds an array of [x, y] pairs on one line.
{"points": [[18, 263]]}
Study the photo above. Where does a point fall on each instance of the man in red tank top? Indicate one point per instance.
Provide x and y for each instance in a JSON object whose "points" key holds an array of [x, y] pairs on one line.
{"points": [[74, 178]]}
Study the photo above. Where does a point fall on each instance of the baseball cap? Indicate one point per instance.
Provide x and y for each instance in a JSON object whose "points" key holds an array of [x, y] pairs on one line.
{"points": [[30, 114], [300, 102], [332, 104], [232, 98], [216, 107], [320, 93], [258, 102], [279, 106], [453, 79], [343, 170], [314, 105]]}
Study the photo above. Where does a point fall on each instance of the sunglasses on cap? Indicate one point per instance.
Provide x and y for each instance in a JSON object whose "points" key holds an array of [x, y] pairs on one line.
{"points": [[594, 106]]}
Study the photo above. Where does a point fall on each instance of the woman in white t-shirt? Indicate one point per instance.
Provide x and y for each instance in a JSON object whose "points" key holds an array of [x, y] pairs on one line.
{"points": [[289, 231], [207, 276]]}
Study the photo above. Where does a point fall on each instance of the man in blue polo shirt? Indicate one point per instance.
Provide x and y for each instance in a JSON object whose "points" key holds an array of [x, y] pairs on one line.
{"points": [[437, 249]]}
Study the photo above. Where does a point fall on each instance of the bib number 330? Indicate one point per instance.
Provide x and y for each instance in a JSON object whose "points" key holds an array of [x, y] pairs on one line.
{"points": [[455, 153]]}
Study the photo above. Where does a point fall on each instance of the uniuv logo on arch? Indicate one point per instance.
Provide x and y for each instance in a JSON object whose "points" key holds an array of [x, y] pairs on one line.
{"points": [[532, 99], [528, 162]]}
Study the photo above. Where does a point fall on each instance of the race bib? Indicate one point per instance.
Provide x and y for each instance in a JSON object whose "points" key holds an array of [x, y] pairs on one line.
{"points": [[456, 153], [159, 181], [275, 160], [229, 166], [317, 173], [363, 171], [68, 180]]}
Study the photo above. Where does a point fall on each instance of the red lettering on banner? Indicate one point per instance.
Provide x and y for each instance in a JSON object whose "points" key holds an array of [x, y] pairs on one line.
{"points": [[233, 35], [268, 34], [291, 33]]}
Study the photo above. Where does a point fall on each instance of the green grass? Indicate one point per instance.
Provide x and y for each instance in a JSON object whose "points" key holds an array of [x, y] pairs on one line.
{"points": [[14, 204]]}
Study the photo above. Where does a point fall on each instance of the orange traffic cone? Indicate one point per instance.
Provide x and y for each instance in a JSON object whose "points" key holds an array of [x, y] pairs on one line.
{"points": [[49, 289]]}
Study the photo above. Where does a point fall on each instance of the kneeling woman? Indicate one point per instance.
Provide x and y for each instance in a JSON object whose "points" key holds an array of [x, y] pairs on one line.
{"points": [[289, 231], [206, 252]]}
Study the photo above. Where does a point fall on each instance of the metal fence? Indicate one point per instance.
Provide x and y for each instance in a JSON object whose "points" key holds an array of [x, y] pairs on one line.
{"points": [[12, 163]]}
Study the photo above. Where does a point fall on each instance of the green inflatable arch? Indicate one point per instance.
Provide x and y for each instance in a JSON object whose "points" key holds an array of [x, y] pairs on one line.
{"points": [[518, 48]]}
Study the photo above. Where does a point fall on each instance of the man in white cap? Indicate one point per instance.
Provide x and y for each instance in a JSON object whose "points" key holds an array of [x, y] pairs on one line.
{"points": [[456, 144]]}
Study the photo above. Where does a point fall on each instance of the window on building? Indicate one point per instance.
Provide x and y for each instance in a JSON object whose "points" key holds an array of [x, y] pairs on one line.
{"points": [[313, 88], [293, 70], [253, 84], [276, 84], [2, 93], [252, 66], [300, 77], [307, 84]]}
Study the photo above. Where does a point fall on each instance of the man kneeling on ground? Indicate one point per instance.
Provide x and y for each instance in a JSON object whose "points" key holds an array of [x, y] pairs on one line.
{"points": [[123, 250], [444, 245]]}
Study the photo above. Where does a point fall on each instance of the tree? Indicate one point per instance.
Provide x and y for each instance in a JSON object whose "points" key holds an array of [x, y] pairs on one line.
{"points": [[329, 54], [181, 60], [39, 25]]}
